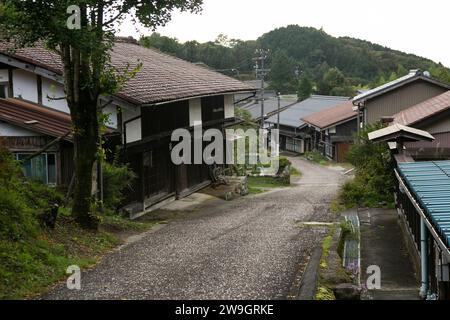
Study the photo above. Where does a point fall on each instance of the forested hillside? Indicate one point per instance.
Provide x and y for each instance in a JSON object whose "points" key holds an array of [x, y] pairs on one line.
{"points": [[303, 57]]}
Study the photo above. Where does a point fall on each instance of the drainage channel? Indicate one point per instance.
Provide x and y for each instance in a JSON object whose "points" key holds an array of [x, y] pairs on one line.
{"points": [[351, 259]]}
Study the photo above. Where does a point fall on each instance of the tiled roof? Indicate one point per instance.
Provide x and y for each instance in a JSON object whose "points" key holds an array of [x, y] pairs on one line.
{"points": [[35, 118], [423, 110], [293, 114], [162, 77], [412, 76], [331, 116]]}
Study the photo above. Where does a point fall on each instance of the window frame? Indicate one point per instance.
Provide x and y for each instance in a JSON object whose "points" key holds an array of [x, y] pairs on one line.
{"points": [[16, 156]]}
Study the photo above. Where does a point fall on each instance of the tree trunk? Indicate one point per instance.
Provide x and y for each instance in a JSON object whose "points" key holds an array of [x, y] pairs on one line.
{"points": [[85, 144]]}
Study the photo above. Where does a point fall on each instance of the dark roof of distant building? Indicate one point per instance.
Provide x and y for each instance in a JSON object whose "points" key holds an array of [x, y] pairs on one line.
{"points": [[162, 78], [292, 115], [270, 106], [413, 75], [424, 110], [331, 116]]}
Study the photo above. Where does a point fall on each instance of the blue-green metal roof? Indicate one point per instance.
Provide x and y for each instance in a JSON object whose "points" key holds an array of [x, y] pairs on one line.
{"points": [[429, 181]]}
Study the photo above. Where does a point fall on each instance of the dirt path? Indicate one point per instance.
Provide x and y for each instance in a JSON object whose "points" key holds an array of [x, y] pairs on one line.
{"points": [[250, 248]]}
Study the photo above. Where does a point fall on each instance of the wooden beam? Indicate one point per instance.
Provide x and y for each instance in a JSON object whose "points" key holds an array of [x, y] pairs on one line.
{"points": [[10, 84], [39, 88], [47, 146]]}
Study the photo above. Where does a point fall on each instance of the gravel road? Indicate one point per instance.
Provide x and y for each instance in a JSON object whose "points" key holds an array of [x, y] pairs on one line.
{"points": [[249, 248]]}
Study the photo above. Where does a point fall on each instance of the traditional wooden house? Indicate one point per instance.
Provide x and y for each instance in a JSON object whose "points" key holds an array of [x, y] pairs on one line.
{"points": [[332, 130], [166, 94], [389, 99], [433, 116], [293, 132]]}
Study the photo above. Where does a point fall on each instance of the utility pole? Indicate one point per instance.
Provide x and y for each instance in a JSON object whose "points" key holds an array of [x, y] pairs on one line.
{"points": [[278, 110], [261, 74]]}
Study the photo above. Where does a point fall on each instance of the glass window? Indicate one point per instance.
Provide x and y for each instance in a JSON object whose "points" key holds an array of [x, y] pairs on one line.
{"points": [[41, 168]]}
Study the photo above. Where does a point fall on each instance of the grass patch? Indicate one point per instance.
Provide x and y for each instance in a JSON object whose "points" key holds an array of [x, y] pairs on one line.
{"points": [[294, 171], [336, 206], [29, 266], [326, 245], [324, 292], [317, 158], [116, 222], [258, 185]]}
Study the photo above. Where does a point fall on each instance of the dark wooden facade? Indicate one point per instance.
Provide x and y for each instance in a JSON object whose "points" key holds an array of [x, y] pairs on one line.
{"points": [[158, 178], [333, 144]]}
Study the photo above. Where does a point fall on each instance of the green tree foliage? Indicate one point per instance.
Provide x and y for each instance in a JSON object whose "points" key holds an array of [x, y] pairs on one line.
{"points": [[84, 52], [282, 73], [117, 179], [305, 88], [335, 83], [230, 56], [373, 185], [362, 63]]}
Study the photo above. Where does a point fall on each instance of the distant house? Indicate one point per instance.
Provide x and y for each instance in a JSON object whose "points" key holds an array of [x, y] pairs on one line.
{"points": [[398, 95], [332, 130], [294, 134], [433, 116], [167, 93], [270, 106]]}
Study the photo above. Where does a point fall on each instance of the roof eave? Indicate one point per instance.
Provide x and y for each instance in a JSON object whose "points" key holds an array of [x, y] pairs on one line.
{"points": [[375, 94], [212, 94]]}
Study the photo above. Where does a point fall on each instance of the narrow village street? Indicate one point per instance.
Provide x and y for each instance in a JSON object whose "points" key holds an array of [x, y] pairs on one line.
{"points": [[249, 248]]}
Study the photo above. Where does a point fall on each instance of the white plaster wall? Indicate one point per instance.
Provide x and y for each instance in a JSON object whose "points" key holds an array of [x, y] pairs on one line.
{"points": [[195, 112], [134, 130], [25, 85], [229, 106], [9, 130], [54, 89]]}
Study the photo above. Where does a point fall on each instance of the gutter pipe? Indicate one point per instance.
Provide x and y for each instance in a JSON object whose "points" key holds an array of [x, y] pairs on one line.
{"points": [[424, 259]]}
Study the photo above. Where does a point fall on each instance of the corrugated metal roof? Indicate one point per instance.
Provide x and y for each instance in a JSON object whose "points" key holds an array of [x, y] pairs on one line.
{"points": [[292, 115], [35, 118], [425, 110], [412, 76], [395, 131], [270, 106], [430, 183], [332, 116]]}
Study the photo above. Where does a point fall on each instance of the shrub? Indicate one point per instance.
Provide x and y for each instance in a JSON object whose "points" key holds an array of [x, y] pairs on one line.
{"points": [[374, 181], [117, 179], [22, 201]]}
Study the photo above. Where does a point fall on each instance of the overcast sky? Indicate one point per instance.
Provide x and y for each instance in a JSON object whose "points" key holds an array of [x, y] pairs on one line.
{"points": [[419, 27]]}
